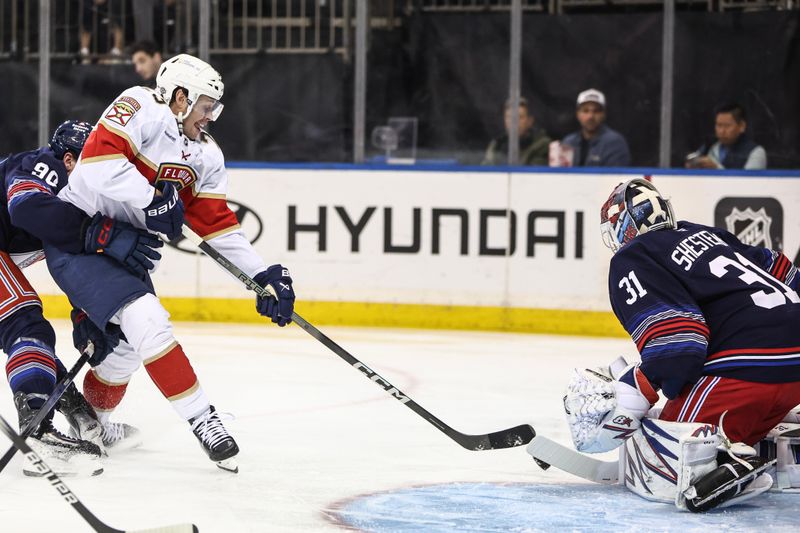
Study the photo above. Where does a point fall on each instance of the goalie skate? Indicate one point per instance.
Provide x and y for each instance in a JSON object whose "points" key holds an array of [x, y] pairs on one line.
{"points": [[64, 455], [215, 440]]}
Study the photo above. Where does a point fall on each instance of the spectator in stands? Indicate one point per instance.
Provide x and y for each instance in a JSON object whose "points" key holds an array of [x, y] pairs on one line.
{"points": [[596, 145], [533, 141], [733, 148], [146, 58], [96, 12]]}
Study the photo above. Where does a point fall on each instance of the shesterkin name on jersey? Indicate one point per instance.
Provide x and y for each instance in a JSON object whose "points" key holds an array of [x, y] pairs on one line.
{"points": [[693, 246], [123, 110], [181, 176]]}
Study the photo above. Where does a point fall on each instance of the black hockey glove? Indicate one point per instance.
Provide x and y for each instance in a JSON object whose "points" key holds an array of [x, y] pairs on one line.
{"points": [[132, 247], [280, 310], [165, 212], [84, 330]]}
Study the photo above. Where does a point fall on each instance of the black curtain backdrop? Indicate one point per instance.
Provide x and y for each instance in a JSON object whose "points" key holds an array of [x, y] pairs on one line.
{"points": [[277, 107], [451, 72], [458, 64]]}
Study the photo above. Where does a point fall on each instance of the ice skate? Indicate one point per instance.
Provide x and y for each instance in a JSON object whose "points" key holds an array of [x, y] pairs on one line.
{"points": [[215, 440], [64, 455], [80, 414], [118, 437]]}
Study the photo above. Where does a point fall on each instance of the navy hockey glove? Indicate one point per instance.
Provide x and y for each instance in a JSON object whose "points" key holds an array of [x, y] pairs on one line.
{"points": [[280, 310], [165, 212], [132, 247], [84, 330]]}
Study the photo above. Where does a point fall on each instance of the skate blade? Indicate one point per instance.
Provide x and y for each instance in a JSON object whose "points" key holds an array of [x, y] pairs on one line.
{"points": [[68, 473], [229, 465]]}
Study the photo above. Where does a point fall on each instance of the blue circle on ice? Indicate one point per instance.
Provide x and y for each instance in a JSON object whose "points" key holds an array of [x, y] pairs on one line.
{"points": [[527, 507]]}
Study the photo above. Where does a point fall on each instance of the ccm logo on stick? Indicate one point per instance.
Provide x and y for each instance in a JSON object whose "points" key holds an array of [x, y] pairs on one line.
{"points": [[388, 387]]}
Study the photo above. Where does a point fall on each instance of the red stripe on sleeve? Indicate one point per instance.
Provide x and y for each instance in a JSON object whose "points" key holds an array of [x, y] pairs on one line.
{"points": [[672, 327], [103, 142], [207, 216]]}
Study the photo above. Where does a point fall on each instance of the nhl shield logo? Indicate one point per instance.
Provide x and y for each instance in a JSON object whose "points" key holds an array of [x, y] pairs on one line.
{"points": [[750, 227], [757, 221]]}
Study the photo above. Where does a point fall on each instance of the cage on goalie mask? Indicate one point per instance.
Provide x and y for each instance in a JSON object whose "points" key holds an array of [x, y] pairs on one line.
{"points": [[634, 208], [70, 136]]}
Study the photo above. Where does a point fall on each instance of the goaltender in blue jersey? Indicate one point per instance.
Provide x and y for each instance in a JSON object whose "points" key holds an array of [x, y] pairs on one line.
{"points": [[712, 306], [31, 213], [715, 323]]}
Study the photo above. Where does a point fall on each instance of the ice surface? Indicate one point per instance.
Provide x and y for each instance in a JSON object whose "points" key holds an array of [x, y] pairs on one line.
{"points": [[323, 448]]}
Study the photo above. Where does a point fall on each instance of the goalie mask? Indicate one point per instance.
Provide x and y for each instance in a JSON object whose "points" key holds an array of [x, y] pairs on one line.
{"points": [[634, 208], [195, 76]]}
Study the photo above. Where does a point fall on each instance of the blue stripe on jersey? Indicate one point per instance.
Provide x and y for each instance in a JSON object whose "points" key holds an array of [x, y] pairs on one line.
{"points": [[660, 312], [672, 348]]}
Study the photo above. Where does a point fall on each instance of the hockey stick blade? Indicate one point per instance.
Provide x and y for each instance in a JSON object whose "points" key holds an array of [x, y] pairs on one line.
{"points": [[70, 497], [507, 438], [51, 402], [572, 461], [178, 528]]}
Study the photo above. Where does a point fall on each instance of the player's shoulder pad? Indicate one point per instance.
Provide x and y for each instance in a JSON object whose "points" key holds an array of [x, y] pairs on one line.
{"points": [[135, 101]]}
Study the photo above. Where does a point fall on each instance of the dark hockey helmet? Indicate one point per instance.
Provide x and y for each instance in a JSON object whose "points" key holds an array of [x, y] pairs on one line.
{"points": [[634, 208], [70, 136]]}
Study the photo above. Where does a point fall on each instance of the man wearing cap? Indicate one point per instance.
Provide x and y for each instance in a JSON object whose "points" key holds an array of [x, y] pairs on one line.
{"points": [[596, 145]]}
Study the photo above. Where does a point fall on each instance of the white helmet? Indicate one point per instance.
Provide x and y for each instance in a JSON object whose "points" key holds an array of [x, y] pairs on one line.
{"points": [[194, 75]]}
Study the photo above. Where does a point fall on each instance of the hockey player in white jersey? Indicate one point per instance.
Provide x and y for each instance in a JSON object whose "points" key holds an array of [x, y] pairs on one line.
{"points": [[149, 161]]}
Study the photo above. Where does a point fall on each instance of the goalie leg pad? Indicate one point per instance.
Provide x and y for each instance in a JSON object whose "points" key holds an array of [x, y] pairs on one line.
{"points": [[783, 445], [662, 459]]}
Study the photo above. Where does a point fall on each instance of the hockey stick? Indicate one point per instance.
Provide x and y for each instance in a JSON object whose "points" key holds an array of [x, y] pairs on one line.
{"points": [[48, 406], [507, 438], [56, 482], [552, 453]]}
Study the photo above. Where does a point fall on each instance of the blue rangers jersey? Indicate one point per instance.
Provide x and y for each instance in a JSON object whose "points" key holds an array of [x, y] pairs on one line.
{"points": [[31, 211], [696, 301]]}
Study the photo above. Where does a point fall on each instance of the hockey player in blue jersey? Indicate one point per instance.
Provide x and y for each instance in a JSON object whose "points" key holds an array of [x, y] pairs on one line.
{"points": [[32, 213], [715, 322]]}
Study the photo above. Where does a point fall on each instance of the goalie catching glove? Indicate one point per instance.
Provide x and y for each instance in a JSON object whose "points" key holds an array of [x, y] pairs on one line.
{"points": [[602, 412], [280, 307]]}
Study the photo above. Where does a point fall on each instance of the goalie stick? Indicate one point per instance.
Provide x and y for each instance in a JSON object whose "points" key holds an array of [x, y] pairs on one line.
{"points": [[51, 402], [507, 438], [547, 452], [70, 497]]}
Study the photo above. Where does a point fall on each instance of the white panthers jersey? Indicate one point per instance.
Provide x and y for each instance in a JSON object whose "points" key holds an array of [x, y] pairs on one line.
{"points": [[137, 143]]}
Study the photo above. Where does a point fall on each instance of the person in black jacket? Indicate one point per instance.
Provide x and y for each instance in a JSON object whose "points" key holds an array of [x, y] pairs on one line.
{"points": [[733, 148]]}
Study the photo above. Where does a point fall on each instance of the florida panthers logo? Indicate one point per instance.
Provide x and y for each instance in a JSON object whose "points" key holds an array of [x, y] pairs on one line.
{"points": [[179, 175]]}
